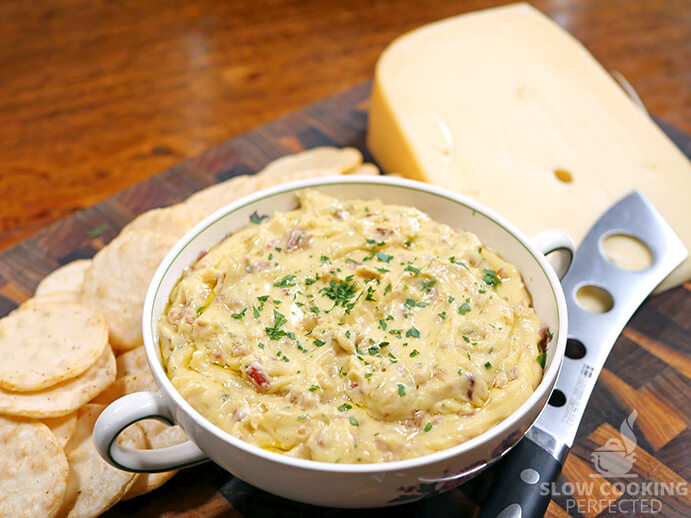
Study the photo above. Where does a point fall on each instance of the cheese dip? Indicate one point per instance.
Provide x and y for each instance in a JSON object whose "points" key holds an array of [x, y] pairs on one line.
{"points": [[352, 332]]}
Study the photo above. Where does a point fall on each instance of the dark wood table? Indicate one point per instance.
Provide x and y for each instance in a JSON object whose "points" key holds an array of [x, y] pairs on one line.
{"points": [[98, 97]]}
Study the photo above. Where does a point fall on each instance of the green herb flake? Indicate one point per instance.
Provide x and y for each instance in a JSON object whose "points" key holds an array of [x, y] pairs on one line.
{"points": [[414, 353], [255, 311], [314, 309], [413, 331], [451, 299], [460, 372], [260, 345], [426, 286], [455, 261], [488, 365], [339, 291], [412, 269], [401, 390], [263, 298], [387, 289], [314, 388], [396, 332], [466, 339], [491, 278], [238, 316], [427, 427], [256, 218], [323, 259], [345, 407], [464, 308], [95, 232], [276, 332], [374, 350], [384, 257], [200, 309], [285, 282], [353, 421], [541, 359], [319, 343], [442, 315], [382, 324]]}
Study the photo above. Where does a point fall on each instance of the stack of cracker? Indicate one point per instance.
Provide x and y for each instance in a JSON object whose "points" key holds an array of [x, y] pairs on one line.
{"points": [[76, 346]]}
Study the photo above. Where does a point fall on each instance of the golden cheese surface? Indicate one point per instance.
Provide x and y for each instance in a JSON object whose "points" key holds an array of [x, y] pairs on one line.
{"points": [[351, 332]]}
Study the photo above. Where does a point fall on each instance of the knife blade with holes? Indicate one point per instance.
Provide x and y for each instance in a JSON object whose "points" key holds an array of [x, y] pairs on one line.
{"points": [[536, 461]]}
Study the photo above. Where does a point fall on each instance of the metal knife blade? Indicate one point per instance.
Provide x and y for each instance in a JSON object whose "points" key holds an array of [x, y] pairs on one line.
{"points": [[540, 455]]}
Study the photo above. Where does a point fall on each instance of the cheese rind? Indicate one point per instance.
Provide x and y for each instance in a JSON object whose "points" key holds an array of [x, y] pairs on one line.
{"points": [[500, 104]]}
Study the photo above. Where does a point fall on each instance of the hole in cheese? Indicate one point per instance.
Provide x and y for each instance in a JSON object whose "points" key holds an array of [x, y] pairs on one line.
{"points": [[627, 252], [594, 299], [563, 175]]}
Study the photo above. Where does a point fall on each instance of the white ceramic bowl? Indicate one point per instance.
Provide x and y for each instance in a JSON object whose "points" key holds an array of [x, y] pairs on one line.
{"points": [[320, 483]]}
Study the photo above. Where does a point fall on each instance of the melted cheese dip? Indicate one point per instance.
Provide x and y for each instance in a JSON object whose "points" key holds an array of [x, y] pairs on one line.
{"points": [[351, 332]]}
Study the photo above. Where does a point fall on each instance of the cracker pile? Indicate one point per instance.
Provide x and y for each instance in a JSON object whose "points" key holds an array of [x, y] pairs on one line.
{"points": [[76, 346]]}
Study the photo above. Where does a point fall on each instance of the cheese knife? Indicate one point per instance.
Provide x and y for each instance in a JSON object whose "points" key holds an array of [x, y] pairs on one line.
{"points": [[537, 460]]}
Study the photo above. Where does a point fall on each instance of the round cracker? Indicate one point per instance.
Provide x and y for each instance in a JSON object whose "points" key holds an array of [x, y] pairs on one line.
{"points": [[132, 362], [62, 427], [142, 382], [66, 278], [366, 169], [173, 221], [214, 197], [117, 281], [158, 435], [94, 485], [53, 296], [65, 397], [33, 470], [44, 343], [332, 160]]}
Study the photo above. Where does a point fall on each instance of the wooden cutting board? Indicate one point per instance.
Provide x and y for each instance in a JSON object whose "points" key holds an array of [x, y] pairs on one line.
{"points": [[648, 370]]}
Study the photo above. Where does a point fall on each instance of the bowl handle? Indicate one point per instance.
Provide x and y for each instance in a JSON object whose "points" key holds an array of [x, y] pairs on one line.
{"points": [[130, 409], [559, 243]]}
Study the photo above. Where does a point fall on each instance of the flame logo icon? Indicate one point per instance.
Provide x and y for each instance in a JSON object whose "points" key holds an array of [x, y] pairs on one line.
{"points": [[616, 458]]}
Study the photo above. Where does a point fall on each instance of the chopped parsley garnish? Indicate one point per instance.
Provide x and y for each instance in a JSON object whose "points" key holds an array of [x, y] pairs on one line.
{"points": [[460, 372], [95, 232], [384, 257], [314, 309], [413, 332], [464, 308], [466, 339], [309, 282], [300, 347], [396, 332], [314, 388], [414, 353], [256, 218], [260, 345], [541, 359], [324, 259], [285, 282], [263, 298], [427, 285], [339, 291], [276, 332], [382, 270], [200, 309], [347, 333], [488, 365], [491, 278], [548, 334], [255, 310], [454, 261], [411, 269], [374, 350], [238, 316], [285, 358], [353, 421], [387, 289], [374, 242], [319, 343], [401, 390], [370, 292], [382, 324], [442, 315], [345, 407], [451, 299], [427, 427]]}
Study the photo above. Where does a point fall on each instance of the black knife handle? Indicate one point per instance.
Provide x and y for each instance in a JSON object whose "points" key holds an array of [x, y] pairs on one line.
{"points": [[524, 475]]}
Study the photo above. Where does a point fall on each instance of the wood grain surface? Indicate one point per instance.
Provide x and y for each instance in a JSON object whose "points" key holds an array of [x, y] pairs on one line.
{"points": [[98, 95], [648, 370]]}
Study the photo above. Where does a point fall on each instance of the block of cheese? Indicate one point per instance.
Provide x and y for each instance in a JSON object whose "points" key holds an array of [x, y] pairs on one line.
{"points": [[506, 107]]}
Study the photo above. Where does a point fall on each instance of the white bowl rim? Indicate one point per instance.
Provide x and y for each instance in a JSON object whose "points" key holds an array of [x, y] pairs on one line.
{"points": [[501, 428]]}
